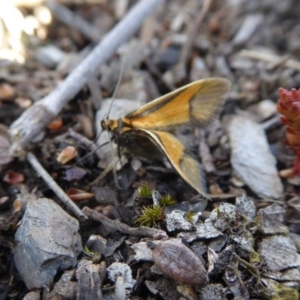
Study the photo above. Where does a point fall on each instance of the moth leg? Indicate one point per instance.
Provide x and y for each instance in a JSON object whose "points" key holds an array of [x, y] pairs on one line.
{"points": [[116, 180], [119, 151], [110, 168]]}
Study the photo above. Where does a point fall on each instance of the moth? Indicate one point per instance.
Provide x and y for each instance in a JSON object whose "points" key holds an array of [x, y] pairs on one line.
{"points": [[154, 123]]}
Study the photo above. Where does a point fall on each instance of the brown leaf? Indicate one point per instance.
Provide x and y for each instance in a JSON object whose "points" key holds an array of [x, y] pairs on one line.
{"points": [[67, 154], [286, 173], [13, 177], [78, 195], [55, 124], [6, 92], [17, 205], [178, 262]]}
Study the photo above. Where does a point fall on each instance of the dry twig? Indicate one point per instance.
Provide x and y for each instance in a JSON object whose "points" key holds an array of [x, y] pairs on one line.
{"points": [[53, 185], [106, 171], [220, 197], [117, 225]]}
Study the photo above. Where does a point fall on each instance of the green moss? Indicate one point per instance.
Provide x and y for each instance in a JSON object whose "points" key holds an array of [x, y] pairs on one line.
{"points": [[150, 216], [87, 251], [254, 257], [144, 190], [282, 292], [166, 200], [189, 215]]}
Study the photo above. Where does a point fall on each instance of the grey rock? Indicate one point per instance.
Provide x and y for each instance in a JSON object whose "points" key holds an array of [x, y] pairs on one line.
{"points": [[96, 243], [246, 206], [284, 276], [269, 220], [46, 241], [33, 295], [279, 252], [217, 263], [213, 291], [244, 241], [113, 244], [63, 290], [204, 230], [142, 251], [117, 269], [176, 221], [166, 288], [222, 216], [89, 281], [219, 243]]}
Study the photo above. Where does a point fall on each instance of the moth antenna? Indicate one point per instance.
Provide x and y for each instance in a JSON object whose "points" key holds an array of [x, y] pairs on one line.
{"points": [[116, 89], [90, 153], [98, 136], [107, 117], [114, 169]]}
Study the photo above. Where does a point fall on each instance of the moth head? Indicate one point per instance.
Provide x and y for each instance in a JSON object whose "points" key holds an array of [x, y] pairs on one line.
{"points": [[109, 124]]}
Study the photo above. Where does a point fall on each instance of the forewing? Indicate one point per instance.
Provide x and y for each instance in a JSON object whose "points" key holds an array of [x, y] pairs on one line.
{"points": [[197, 103], [187, 167], [208, 101]]}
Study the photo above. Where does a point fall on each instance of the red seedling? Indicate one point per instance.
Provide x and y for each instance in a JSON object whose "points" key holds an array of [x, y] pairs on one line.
{"points": [[288, 106]]}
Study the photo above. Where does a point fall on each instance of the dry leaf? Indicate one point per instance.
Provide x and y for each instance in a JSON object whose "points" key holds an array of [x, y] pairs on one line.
{"points": [[178, 262], [75, 173], [286, 173], [67, 154], [17, 205], [13, 177], [56, 124], [6, 92], [78, 195]]}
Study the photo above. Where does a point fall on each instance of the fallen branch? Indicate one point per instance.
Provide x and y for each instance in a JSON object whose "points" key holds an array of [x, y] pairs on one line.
{"points": [[116, 225], [38, 116]]}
